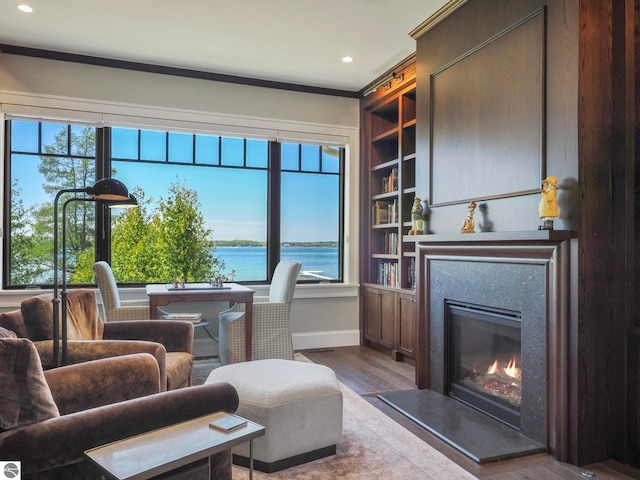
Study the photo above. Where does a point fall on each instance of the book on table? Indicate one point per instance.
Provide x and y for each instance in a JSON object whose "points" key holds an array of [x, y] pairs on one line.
{"points": [[228, 423], [189, 316]]}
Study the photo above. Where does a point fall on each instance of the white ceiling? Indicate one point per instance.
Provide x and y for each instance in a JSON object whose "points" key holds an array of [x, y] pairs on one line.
{"points": [[294, 41]]}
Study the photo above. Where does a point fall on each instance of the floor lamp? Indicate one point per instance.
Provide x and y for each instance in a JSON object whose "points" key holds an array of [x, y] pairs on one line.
{"points": [[106, 190]]}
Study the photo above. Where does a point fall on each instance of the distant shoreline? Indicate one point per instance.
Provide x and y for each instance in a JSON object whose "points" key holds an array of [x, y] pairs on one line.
{"points": [[253, 243]]}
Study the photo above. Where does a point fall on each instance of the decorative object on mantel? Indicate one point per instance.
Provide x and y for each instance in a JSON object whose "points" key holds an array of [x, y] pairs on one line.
{"points": [[486, 225], [468, 226], [548, 206], [417, 221]]}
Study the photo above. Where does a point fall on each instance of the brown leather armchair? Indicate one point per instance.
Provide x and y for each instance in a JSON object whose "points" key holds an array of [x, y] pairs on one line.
{"points": [[67, 410], [170, 342]]}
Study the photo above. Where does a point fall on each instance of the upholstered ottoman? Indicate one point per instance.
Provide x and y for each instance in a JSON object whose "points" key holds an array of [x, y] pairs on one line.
{"points": [[299, 403]]}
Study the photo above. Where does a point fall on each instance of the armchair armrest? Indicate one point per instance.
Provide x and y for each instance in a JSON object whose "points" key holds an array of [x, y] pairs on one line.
{"points": [[128, 313], [74, 387], [270, 311], [175, 335], [240, 307], [62, 441], [80, 351], [143, 302]]}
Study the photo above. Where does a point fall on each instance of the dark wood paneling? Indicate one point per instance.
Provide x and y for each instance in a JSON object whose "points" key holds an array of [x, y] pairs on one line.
{"points": [[599, 358], [590, 147], [633, 394], [487, 118], [470, 27]]}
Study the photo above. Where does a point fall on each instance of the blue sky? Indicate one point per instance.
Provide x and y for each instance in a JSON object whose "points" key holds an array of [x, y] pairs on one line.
{"points": [[233, 201]]}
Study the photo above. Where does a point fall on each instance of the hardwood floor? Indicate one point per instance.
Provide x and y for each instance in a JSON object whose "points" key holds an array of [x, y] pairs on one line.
{"points": [[369, 372]]}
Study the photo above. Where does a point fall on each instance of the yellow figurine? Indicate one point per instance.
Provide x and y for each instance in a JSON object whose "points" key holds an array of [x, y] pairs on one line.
{"points": [[468, 226], [416, 217], [548, 206]]}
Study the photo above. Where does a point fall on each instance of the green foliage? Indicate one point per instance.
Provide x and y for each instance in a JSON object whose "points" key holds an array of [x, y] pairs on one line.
{"points": [[148, 246], [157, 246], [22, 241]]}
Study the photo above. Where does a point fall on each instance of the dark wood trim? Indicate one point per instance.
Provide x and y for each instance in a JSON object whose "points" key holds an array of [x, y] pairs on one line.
{"points": [[177, 72], [604, 128]]}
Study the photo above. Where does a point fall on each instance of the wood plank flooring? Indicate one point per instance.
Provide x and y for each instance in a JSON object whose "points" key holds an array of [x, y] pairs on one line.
{"points": [[369, 372]]}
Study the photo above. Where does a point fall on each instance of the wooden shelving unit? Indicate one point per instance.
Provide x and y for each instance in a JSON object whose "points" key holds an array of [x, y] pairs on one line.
{"points": [[388, 189]]}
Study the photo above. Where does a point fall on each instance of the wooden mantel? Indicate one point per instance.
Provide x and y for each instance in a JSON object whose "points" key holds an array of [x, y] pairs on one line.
{"points": [[529, 235]]}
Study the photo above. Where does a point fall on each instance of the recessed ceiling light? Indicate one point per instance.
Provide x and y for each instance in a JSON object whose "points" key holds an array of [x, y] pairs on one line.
{"points": [[23, 7], [347, 59]]}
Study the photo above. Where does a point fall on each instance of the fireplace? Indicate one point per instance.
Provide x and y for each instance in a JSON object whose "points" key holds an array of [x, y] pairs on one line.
{"points": [[483, 360], [492, 298]]}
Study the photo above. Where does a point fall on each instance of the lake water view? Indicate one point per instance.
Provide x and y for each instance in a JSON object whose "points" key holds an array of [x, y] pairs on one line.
{"points": [[250, 263]]}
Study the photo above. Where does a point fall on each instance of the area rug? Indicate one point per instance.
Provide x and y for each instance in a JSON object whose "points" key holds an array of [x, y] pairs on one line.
{"points": [[373, 447]]}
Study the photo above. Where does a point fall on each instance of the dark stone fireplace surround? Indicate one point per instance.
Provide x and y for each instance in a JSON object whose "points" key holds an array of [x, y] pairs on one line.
{"points": [[526, 272]]}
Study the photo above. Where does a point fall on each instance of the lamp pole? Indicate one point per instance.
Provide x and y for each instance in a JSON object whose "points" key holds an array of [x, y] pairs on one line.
{"points": [[108, 190], [64, 272], [56, 301]]}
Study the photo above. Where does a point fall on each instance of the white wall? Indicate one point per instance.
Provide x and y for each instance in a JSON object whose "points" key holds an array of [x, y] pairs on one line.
{"points": [[323, 315]]}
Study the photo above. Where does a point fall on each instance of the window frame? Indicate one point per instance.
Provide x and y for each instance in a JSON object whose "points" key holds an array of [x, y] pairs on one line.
{"points": [[103, 167]]}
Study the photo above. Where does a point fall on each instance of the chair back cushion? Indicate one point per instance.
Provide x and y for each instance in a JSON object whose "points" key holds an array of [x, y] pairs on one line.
{"points": [[14, 321], [83, 318], [107, 285], [25, 397], [283, 283]]}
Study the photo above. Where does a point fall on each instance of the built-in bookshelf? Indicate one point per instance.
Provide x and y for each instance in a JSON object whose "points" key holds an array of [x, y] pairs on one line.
{"points": [[388, 191]]}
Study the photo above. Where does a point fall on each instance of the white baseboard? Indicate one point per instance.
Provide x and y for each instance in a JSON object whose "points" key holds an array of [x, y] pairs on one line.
{"points": [[205, 347], [338, 338]]}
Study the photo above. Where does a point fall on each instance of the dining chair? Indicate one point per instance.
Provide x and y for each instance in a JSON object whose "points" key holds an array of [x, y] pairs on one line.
{"points": [[114, 309], [271, 321]]}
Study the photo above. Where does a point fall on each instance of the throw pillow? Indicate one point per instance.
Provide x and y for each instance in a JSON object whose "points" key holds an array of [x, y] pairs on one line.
{"points": [[83, 317], [4, 333], [13, 320], [38, 317], [25, 397]]}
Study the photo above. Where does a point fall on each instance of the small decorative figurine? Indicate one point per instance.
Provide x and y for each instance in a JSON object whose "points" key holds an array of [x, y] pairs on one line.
{"points": [[416, 217], [548, 206], [468, 226]]}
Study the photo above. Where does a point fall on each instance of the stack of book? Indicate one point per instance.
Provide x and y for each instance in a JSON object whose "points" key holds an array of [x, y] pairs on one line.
{"points": [[188, 316]]}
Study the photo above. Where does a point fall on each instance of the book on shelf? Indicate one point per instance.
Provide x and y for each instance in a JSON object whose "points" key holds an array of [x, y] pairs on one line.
{"points": [[391, 243], [390, 182], [411, 274], [387, 274], [384, 211]]}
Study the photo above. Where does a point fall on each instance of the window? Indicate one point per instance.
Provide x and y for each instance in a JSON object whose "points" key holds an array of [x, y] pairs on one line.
{"points": [[256, 201]]}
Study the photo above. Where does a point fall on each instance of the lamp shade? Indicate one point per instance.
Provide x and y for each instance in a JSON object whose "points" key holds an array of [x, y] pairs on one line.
{"points": [[109, 189], [131, 202]]}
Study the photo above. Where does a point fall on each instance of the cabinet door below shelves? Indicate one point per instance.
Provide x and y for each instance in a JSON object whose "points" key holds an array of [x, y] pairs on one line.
{"points": [[407, 314], [379, 316]]}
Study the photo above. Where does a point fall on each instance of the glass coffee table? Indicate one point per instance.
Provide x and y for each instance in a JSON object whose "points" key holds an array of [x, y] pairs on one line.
{"points": [[152, 453]]}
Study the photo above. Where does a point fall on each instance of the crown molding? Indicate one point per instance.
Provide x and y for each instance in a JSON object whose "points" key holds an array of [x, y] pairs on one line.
{"points": [[436, 18]]}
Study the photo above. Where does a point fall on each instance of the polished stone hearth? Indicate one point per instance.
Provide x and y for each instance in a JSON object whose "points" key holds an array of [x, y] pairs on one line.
{"points": [[475, 434]]}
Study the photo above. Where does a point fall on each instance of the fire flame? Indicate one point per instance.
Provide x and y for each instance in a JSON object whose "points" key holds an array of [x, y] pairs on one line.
{"points": [[510, 370]]}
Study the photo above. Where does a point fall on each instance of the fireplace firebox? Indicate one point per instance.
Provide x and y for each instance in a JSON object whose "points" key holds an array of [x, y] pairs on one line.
{"points": [[483, 359]]}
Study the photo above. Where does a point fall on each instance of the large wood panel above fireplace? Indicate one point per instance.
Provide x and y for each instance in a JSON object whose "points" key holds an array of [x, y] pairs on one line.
{"points": [[522, 272]]}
